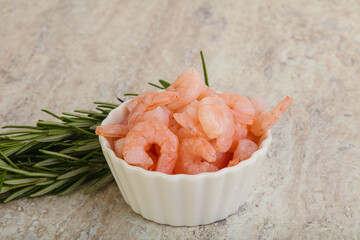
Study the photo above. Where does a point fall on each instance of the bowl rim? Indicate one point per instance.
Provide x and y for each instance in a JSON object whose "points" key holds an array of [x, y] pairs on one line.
{"points": [[265, 144]]}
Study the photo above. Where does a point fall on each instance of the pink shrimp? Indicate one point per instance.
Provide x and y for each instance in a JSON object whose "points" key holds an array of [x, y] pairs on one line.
{"points": [[117, 130], [207, 93], [119, 146], [139, 140], [265, 121], [183, 133], [217, 122], [244, 151], [242, 109], [241, 132], [157, 114], [259, 105], [154, 157], [188, 85], [168, 111], [222, 159], [196, 155], [151, 99], [252, 137], [189, 119], [111, 141], [147, 101], [174, 126]]}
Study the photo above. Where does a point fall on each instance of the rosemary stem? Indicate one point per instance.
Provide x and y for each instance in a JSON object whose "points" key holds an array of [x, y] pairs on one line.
{"points": [[204, 68]]}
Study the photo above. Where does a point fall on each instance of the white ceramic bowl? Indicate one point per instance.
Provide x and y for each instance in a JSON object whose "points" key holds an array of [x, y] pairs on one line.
{"points": [[183, 200]]}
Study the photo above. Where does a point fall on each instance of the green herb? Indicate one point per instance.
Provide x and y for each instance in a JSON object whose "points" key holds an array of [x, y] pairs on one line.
{"points": [[154, 85], [53, 157], [2, 179], [164, 84], [131, 94], [204, 68]]}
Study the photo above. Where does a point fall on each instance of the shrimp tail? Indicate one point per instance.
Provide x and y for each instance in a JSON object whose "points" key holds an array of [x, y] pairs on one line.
{"points": [[199, 146], [112, 130], [267, 120], [205, 150], [243, 151], [193, 150]]}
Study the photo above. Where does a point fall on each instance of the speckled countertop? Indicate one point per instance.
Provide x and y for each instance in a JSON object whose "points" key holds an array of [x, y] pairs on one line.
{"points": [[62, 55]]}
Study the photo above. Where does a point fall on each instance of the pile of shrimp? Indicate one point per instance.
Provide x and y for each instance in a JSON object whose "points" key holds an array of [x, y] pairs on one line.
{"points": [[189, 128]]}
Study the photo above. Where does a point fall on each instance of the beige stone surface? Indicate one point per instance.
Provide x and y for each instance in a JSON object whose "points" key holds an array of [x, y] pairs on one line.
{"points": [[62, 55]]}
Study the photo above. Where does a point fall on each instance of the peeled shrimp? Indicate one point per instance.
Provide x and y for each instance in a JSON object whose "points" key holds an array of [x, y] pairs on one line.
{"points": [[244, 151], [174, 126], [183, 133], [259, 105], [252, 137], [196, 155], [242, 109], [146, 102], [222, 159], [157, 114], [112, 130], [217, 122], [188, 85], [241, 132], [139, 140], [155, 159], [267, 120], [119, 147], [208, 93], [150, 98], [189, 119], [168, 111]]}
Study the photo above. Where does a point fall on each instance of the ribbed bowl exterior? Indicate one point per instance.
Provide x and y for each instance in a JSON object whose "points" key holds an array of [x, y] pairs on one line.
{"points": [[183, 200]]}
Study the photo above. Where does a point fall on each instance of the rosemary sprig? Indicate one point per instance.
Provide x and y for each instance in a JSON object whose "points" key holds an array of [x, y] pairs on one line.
{"points": [[54, 157]]}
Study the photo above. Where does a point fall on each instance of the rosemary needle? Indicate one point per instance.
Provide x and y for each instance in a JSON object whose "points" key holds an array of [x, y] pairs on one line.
{"points": [[131, 94]]}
